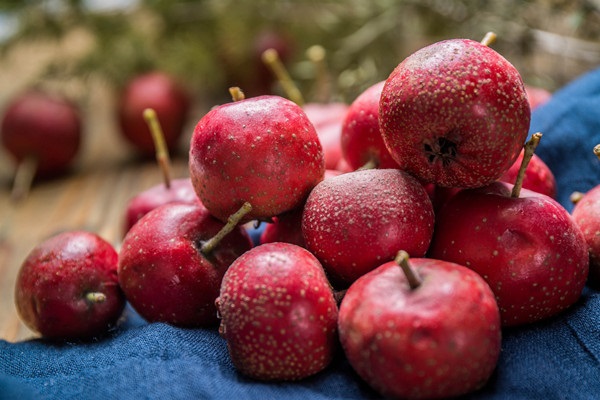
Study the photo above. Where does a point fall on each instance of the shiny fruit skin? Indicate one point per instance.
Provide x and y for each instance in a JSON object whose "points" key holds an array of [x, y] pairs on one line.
{"points": [[261, 150], [528, 249], [439, 340], [56, 276], [162, 271]]}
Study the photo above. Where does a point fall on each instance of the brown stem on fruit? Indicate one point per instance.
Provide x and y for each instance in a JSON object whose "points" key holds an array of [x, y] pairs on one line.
{"points": [[162, 152], [316, 54], [597, 150], [414, 281], [95, 297], [236, 93], [529, 149], [23, 180], [489, 39], [232, 222], [271, 59], [575, 197]]}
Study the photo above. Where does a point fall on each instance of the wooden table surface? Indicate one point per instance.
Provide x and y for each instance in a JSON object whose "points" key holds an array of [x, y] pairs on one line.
{"points": [[93, 197]]}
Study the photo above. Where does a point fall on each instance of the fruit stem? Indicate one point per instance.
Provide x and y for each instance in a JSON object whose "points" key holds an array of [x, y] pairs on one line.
{"points": [[414, 281], [95, 297], [529, 149], [597, 150], [162, 153], [24, 178], [271, 59], [316, 54], [236, 93], [232, 222], [489, 39], [576, 196], [371, 164]]}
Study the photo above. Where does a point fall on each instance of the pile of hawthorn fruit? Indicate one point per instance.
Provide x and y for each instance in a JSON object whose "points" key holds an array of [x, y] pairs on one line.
{"points": [[437, 230]]}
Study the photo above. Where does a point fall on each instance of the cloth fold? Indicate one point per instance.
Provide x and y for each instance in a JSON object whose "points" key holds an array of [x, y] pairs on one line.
{"points": [[554, 359]]}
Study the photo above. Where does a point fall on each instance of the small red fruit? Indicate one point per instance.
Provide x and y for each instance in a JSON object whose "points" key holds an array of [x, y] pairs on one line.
{"points": [[67, 287], [44, 126], [435, 334], [278, 313], [528, 249], [262, 150], [164, 272], [356, 221], [158, 91], [454, 113]]}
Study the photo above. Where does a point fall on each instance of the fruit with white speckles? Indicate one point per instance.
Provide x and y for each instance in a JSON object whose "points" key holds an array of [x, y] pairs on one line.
{"points": [[361, 139], [164, 273], [67, 287], [356, 221], [455, 113], [586, 214], [278, 313], [179, 191], [262, 150], [433, 334], [538, 176], [528, 248]]}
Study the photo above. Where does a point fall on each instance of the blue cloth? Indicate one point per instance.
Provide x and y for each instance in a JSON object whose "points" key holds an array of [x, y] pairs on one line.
{"points": [[555, 359]]}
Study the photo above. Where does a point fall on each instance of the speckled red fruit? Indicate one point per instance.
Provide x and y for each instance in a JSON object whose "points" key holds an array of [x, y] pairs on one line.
{"points": [[53, 284], [528, 249], [439, 340], [356, 221], [586, 215], [261, 150], [161, 92], [361, 139], [179, 191], [538, 176], [45, 126], [278, 313], [455, 113], [162, 271]]}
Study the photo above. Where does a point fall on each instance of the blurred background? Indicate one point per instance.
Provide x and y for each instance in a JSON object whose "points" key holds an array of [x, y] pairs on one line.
{"points": [[89, 49]]}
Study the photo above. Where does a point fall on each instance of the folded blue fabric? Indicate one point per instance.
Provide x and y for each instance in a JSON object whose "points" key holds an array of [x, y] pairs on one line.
{"points": [[554, 359]]}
